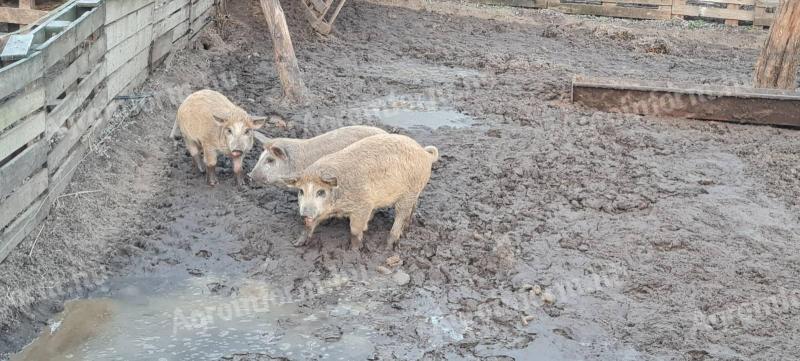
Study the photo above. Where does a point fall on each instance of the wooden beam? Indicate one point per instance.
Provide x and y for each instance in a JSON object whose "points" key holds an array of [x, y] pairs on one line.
{"points": [[731, 104], [20, 16], [285, 61], [777, 65]]}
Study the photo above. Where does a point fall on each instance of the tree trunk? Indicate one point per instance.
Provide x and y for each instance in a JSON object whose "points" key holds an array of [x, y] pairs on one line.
{"points": [[777, 65], [285, 60]]}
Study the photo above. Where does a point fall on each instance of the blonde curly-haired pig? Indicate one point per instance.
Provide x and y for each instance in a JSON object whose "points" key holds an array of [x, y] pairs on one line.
{"points": [[386, 170], [211, 123], [286, 157]]}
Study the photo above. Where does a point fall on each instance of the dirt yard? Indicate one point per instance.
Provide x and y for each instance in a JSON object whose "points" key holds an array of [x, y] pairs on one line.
{"points": [[650, 238]]}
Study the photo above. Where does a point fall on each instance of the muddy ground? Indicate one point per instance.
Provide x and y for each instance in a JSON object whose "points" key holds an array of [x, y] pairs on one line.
{"points": [[640, 228]]}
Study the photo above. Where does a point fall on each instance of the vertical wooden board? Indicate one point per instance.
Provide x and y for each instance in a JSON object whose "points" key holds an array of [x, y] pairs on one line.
{"points": [[128, 26], [21, 134], [60, 81], [126, 73], [14, 173], [20, 106], [22, 226], [18, 75], [116, 9], [91, 115], [201, 21], [74, 99], [23, 197], [161, 47], [60, 180], [129, 48]]}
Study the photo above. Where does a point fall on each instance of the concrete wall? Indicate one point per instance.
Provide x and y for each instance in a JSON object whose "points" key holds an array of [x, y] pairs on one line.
{"points": [[57, 89]]}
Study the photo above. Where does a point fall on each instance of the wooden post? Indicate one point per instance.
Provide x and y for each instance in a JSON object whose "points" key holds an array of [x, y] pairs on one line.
{"points": [[777, 65], [285, 60], [27, 4]]}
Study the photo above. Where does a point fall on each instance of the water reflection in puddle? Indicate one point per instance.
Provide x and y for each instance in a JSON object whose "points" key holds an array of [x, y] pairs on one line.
{"points": [[417, 114], [181, 319]]}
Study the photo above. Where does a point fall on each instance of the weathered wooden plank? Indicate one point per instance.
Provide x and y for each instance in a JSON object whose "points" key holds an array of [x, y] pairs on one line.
{"points": [[88, 117], [201, 6], [116, 9], [126, 73], [712, 12], [180, 31], [58, 46], [20, 16], [129, 25], [171, 21], [164, 10], [19, 168], [201, 21], [20, 106], [21, 134], [58, 83], [74, 99], [516, 3], [18, 75], [129, 48], [613, 11], [734, 104], [23, 225], [17, 47], [23, 197]]}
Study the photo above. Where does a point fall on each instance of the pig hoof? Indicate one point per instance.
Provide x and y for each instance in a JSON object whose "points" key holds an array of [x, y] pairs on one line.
{"points": [[300, 241]]}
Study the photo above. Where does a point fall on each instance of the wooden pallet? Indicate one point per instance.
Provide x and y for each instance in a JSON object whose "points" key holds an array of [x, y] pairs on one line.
{"points": [[634, 9], [318, 13], [731, 11], [765, 12]]}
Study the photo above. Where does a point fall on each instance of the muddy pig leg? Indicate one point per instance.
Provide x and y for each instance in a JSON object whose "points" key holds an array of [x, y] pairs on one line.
{"points": [[402, 214], [358, 224], [194, 150], [237, 170], [306, 235], [211, 165]]}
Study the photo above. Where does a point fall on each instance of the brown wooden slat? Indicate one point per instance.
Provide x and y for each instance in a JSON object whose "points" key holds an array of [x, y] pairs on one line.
{"points": [[741, 105], [20, 16]]}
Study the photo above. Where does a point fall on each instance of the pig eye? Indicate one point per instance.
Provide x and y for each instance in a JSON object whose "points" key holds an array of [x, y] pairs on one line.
{"points": [[270, 160], [230, 131], [247, 132], [321, 193], [300, 192]]}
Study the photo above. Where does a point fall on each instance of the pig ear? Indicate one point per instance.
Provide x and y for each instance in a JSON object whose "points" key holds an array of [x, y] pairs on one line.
{"points": [[220, 120], [329, 179], [290, 181], [258, 122], [277, 151]]}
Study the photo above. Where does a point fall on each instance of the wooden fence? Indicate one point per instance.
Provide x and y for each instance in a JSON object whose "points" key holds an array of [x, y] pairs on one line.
{"points": [[57, 88], [733, 12]]}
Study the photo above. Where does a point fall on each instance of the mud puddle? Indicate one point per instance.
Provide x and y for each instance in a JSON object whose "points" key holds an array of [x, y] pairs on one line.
{"points": [[417, 114], [175, 318]]}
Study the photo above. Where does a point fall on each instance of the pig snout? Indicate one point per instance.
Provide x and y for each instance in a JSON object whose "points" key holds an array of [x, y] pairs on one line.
{"points": [[236, 153]]}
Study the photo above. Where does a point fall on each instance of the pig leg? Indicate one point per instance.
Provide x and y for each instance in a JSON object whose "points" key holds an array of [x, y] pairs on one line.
{"points": [[211, 166], [237, 171], [402, 214], [306, 235], [358, 224], [194, 150]]}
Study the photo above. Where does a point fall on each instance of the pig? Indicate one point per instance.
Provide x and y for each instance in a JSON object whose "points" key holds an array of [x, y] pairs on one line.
{"points": [[385, 170], [209, 121], [285, 157]]}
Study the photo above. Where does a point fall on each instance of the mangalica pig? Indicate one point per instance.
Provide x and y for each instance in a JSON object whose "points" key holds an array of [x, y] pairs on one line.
{"points": [[387, 170], [209, 121], [285, 157]]}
